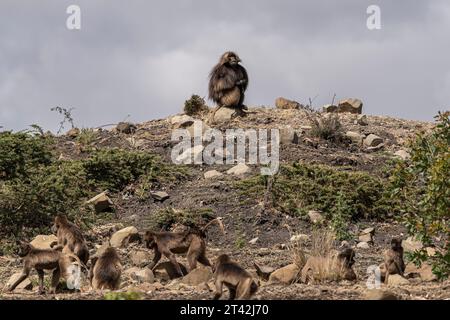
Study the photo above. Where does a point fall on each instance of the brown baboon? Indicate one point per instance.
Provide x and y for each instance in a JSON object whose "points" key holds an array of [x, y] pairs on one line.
{"points": [[393, 259], [70, 238], [228, 82], [239, 282], [171, 243], [332, 267], [105, 270], [44, 259]]}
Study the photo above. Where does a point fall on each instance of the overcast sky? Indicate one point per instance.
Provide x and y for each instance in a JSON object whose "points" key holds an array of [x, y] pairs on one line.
{"points": [[145, 58]]}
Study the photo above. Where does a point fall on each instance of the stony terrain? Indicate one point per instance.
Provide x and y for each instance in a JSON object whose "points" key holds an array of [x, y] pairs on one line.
{"points": [[253, 235]]}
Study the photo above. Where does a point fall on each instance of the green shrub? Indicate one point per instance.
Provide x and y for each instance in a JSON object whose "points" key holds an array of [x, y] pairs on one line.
{"points": [[165, 218], [423, 186], [327, 127], [130, 295], [194, 105]]}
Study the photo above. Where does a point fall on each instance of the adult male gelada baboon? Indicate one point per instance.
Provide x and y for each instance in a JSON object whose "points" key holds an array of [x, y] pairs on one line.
{"points": [[393, 259], [105, 270]]}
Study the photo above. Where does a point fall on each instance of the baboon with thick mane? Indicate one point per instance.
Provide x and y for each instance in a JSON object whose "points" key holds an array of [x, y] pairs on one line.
{"points": [[239, 282], [70, 237], [228, 82], [105, 270]]}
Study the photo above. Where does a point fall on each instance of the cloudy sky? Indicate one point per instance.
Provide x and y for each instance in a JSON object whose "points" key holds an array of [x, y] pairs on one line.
{"points": [[140, 59]]}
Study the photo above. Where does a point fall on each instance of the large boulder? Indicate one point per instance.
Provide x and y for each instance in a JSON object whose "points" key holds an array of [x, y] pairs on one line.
{"points": [[44, 242], [124, 236], [144, 275], [239, 170], [395, 280], [160, 195], [101, 202], [225, 114], [287, 275], [212, 174], [351, 106], [170, 270], [373, 140], [24, 285], [329, 108], [181, 121], [355, 137], [283, 103], [425, 272], [378, 294], [197, 276], [140, 257]]}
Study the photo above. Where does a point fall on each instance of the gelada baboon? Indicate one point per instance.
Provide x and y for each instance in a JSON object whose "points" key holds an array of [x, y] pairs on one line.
{"points": [[228, 82], [70, 238], [335, 266], [239, 282], [170, 243], [105, 270], [44, 259], [393, 259]]}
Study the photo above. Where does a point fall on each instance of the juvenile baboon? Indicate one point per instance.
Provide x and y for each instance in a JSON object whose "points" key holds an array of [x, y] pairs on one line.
{"points": [[239, 282], [393, 259], [170, 243], [105, 270], [70, 238], [44, 259], [228, 82], [333, 267]]}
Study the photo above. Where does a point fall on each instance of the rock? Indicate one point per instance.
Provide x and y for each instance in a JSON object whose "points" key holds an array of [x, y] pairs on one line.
{"points": [[363, 245], [124, 236], [159, 196], [329, 108], [412, 245], [170, 270], [204, 127], [299, 237], [425, 272], [101, 202], [397, 280], [197, 276], [310, 142], [226, 114], [73, 133], [365, 238], [24, 285], [44, 242], [402, 154], [182, 121], [239, 170], [315, 217], [263, 272], [373, 140], [355, 137], [282, 103], [190, 155], [140, 257], [212, 174], [370, 230], [378, 294], [286, 275], [362, 120], [350, 105], [431, 252], [140, 275], [126, 127], [254, 240], [288, 135]]}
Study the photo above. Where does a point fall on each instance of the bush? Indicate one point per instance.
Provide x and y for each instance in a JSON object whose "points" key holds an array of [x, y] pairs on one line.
{"points": [[327, 127], [423, 186], [194, 218], [194, 105]]}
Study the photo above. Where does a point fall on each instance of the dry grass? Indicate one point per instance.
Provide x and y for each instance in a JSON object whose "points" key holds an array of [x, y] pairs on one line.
{"points": [[326, 127]]}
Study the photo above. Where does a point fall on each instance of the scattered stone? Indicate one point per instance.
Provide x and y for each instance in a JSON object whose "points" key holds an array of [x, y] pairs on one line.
{"points": [[144, 275], [170, 270], [212, 174], [123, 237], [425, 272], [282, 103], [254, 240], [239, 170], [299, 237], [197, 276], [378, 294], [24, 285], [329, 108], [286, 275], [263, 272], [73, 133], [362, 120], [355, 137], [288, 135], [370, 230], [397, 280], [140, 258], [182, 121], [365, 238], [126, 127], [412, 245], [101, 203], [226, 114], [160, 195], [402, 154], [315, 216], [363, 245], [350, 105], [377, 148], [191, 155], [44, 242], [204, 127], [373, 140]]}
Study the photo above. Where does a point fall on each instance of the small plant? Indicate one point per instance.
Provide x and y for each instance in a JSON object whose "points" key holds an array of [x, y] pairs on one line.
{"points": [[67, 117], [240, 242], [130, 295], [326, 127], [194, 218], [86, 137], [195, 105]]}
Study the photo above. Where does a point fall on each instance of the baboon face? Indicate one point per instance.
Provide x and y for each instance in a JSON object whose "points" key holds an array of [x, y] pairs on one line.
{"points": [[230, 58], [24, 249], [223, 258], [149, 240], [396, 244], [348, 257], [59, 220]]}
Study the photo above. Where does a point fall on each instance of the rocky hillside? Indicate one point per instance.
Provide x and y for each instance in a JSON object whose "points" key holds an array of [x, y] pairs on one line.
{"points": [[334, 175]]}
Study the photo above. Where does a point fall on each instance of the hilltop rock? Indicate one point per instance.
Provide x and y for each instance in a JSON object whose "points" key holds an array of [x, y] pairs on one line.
{"points": [[329, 108], [182, 121], [373, 140], [283, 103], [351, 106], [362, 120], [44, 242], [123, 237], [101, 202], [355, 137], [225, 114], [126, 127]]}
